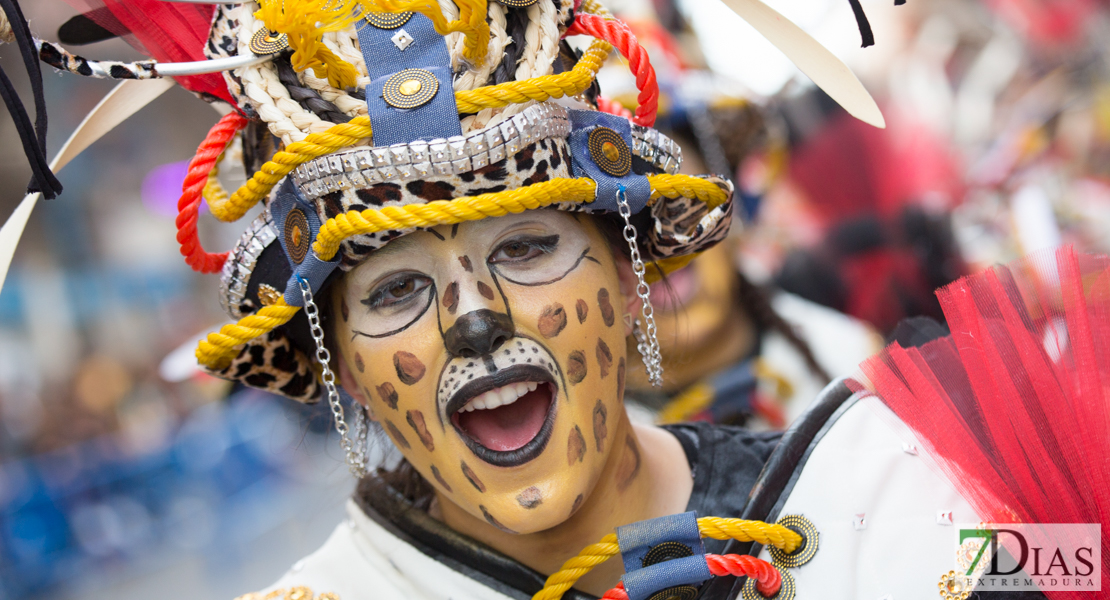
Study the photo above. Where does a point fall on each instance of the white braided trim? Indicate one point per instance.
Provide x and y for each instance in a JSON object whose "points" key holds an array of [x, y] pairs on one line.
{"points": [[283, 115]]}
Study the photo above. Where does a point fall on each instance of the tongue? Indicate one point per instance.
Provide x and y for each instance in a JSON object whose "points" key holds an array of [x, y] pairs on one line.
{"points": [[511, 426]]}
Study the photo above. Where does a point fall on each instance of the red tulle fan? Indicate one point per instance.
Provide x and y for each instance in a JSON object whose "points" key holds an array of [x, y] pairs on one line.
{"points": [[166, 31], [1014, 404]]}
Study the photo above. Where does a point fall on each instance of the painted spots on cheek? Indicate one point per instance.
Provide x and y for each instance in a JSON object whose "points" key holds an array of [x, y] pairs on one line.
{"points": [[451, 297], [485, 290], [607, 313], [409, 368], [361, 366], [416, 421], [388, 394], [620, 379], [576, 446], [577, 504], [576, 367], [398, 437], [493, 521], [601, 428], [552, 320], [343, 310], [472, 477], [582, 309], [440, 480], [530, 498], [630, 464], [604, 358], [465, 262]]}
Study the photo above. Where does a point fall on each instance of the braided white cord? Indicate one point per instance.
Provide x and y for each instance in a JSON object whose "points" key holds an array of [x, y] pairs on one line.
{"points": [[345, 45], [264, 91], [541, 41]]}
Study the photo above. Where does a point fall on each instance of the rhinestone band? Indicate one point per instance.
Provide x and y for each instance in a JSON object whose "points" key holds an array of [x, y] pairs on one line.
{"points": [[656, 148], [364, 167], [240, 263]]}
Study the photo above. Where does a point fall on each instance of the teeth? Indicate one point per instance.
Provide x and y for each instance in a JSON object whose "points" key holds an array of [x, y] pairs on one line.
{"points": [[500, 396]]}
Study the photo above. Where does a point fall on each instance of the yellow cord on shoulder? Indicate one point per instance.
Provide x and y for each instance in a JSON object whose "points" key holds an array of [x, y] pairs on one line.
{"points": [[219, 348], [691, 401], [448, 212], [213, 192], [717, 528], [767, 534]]}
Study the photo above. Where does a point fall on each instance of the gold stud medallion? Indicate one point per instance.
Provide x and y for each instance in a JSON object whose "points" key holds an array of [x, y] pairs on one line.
{"points": [[410, 88], [265, 42], [802, 554], [517, 3], [388, 20], [608, 150], [296, 235]]}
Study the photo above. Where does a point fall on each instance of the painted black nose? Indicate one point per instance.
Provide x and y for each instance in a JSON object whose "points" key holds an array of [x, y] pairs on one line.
{"points": [[478, 333]]}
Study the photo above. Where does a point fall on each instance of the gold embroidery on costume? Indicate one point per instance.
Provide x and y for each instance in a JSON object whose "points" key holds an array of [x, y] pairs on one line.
{"points": [[293, 593]]}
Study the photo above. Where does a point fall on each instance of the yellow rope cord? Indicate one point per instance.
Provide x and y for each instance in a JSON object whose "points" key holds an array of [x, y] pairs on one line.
{"points": [[569, 83], [343, 135], [717, 528], [282, 163], [778, 536], [447, 212], [674, 186], [218, 349], [213, 192], [691, 401]]}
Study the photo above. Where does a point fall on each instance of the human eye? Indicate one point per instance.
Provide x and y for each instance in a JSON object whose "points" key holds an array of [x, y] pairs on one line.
{"points": [[397, 290], [524, 248]]}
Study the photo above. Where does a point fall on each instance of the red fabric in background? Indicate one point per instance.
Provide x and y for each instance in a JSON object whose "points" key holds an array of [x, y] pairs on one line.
{"points": [[849, 168], [165, 31]]}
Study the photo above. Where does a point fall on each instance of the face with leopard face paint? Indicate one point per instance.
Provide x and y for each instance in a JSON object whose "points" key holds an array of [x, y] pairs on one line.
{"points": [[492, 353]]}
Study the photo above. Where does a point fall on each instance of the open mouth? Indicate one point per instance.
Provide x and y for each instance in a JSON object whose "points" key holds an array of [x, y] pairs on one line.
{"points": [[506, 417]]}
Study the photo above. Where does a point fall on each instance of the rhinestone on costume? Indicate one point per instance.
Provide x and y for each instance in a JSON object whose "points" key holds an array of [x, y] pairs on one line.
{"points": [[803, 553], [786, 590], [609, 151], [266, 42], [268, 294], [410, 88], [388, 20], [402, 40], [954, 586], [296, 235]]}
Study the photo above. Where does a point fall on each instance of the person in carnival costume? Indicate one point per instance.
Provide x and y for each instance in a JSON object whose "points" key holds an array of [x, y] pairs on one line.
{"points": [[467, 284]]}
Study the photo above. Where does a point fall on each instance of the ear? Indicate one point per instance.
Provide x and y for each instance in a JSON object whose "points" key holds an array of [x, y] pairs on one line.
{"points": [[628, 283], [347, 380]]}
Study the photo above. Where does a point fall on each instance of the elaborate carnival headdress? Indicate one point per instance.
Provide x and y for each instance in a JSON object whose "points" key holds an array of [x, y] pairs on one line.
{"points": [[368, 119]]}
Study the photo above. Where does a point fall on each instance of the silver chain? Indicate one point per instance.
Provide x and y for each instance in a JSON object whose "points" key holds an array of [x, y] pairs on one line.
{"points": [[356, 453], [646, 342]]}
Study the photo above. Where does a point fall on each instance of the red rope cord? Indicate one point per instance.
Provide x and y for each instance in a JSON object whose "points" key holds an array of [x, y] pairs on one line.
{"points": [[192, 193], [613, 107], [621, 37], [767, 578]]}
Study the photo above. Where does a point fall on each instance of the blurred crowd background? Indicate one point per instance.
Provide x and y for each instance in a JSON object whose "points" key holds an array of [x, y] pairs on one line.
{"points": [[124, 473]]}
